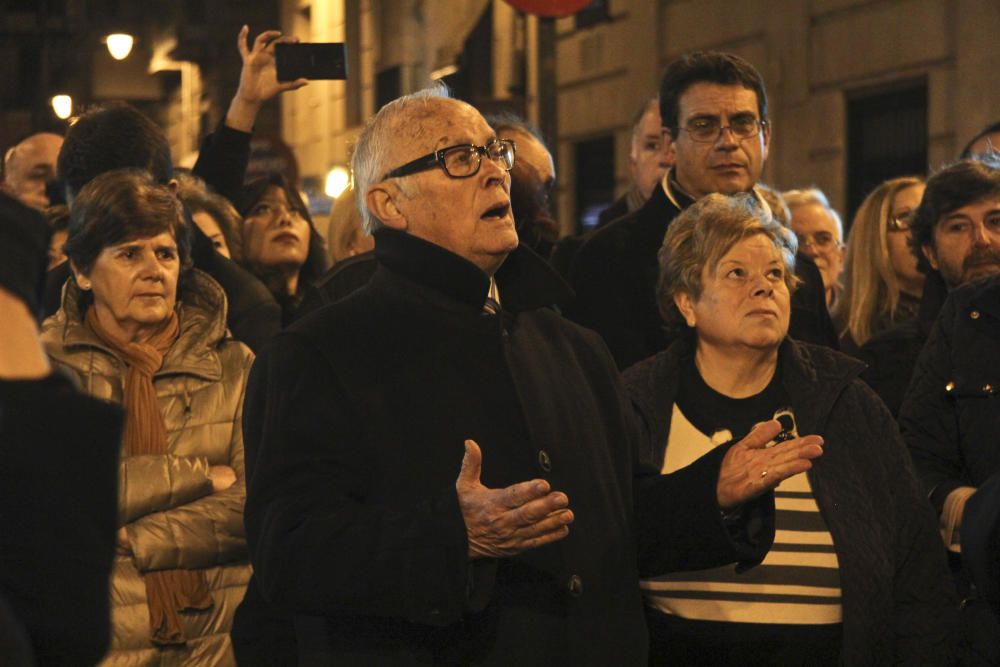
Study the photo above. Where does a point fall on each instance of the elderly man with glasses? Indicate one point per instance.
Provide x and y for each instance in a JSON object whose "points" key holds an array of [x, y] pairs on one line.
{"points": [[442, 469], [714, 112]]}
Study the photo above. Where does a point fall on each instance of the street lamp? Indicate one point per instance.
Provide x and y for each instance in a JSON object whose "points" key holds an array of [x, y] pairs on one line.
{"points": [[119, 45], [337, 180], [62, 105]]}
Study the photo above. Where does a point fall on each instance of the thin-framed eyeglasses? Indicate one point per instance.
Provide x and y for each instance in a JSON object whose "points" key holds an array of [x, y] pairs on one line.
{"points": [[819, 240], [901, 221], [460, 161], [707, 130]]}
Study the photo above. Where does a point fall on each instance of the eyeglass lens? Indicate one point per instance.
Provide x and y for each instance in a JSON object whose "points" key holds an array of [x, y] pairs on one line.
{"points": [[709, 129], [466, 160]]}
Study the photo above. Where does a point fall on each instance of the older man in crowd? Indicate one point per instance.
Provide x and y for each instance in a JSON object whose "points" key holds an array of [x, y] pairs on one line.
{"points": [[821, 236], [714, 113], [29, 166], [648, 159], [442, 469]]}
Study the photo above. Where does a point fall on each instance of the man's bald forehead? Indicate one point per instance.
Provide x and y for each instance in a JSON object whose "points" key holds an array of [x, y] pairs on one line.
{"points": [[42, 146], [416, 116]]}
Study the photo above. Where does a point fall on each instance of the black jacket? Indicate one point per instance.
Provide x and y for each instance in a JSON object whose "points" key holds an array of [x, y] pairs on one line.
{"points": [[898, 603], [891, 355], [355, 433], [58, 516], [615, 275], [950, 416]]}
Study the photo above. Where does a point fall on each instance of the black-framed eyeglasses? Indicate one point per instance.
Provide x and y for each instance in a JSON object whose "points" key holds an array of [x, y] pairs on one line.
{"points": [[461, 161], [707, 130], [902, 221]]}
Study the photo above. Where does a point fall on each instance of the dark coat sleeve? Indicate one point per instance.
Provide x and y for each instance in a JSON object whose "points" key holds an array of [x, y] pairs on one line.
{"points": [[924, 621], [58, 514], [678, 520], [222, 161], [606, 296], [927, 417], [810, 321], [316, 545]]}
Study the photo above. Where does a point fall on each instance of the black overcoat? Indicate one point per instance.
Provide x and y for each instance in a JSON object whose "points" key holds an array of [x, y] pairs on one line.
{"points": [[355, 433]]}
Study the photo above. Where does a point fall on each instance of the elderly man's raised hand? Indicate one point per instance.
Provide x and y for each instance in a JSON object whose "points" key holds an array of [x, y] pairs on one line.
{"points": [[750, 468], [505, 522], [258, 78]]}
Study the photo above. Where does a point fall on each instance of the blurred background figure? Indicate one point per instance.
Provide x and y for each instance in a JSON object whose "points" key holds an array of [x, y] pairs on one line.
{"points": [[58, 219], [986, 141], [531, 182], [883, 284], [777, 203], [137, 327], [649, 158], [218, 219], [30, 166], [280, 244], [345, 236], [821, 236]]}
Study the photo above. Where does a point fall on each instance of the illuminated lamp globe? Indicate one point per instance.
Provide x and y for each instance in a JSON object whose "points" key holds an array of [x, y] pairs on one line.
{"points": [[336, 182], [62, 105], [119, 45]]}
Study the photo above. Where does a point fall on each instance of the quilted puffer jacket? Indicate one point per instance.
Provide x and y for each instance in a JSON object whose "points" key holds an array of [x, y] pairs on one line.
{"points": [[166, 502]]}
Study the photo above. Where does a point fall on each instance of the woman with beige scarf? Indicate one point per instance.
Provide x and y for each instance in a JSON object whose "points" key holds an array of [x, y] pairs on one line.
{"points": [[137, 326]]}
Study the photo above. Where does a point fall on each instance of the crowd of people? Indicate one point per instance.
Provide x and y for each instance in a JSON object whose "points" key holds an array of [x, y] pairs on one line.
{"points": [[723, 428]]}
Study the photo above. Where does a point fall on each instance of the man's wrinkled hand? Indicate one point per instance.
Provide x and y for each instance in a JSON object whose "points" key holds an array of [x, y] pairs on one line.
{"points": [[750, 468], [508, 521]]}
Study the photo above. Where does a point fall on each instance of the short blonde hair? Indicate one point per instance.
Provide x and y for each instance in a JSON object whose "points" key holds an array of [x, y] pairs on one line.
{"points": [[701, 235]]}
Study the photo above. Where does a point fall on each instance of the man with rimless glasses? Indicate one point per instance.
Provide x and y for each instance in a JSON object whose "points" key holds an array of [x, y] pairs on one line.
{"points": [[442, 469], [714, 112]]}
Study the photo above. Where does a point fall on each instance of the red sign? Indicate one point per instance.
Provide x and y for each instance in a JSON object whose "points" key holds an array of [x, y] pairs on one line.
{"points": [[549, 8]]}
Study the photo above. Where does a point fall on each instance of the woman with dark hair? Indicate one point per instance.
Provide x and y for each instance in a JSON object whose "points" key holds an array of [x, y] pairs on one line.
{"points": [[280, 243], [855, 575], [139, 327]]}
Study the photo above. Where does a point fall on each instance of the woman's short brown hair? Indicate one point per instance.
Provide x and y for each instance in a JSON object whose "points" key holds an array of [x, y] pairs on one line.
{"points": [[119, 206], [702, 234]]}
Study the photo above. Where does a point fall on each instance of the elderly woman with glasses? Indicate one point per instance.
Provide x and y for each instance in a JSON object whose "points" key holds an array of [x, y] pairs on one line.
{"points": [[139, 327], [855, 574], [280, 243]]}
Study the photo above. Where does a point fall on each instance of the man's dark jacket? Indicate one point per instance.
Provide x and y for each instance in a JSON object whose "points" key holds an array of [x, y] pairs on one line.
{"points": [[615, 275], [898, 603], [356, 431], [950, 416], [892, 354]]}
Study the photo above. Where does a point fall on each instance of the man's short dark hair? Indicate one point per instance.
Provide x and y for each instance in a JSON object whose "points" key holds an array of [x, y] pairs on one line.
{"points": [[992, 128], [725, 69], [114, 136], [959, 184]]}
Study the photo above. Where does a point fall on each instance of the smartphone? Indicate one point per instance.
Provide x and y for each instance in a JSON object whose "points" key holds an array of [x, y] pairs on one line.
{"points": [[311, 61]]}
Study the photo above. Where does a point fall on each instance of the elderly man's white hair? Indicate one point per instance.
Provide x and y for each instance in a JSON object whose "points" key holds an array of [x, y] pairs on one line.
{"points": [[373, 143], [814, 196]]}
